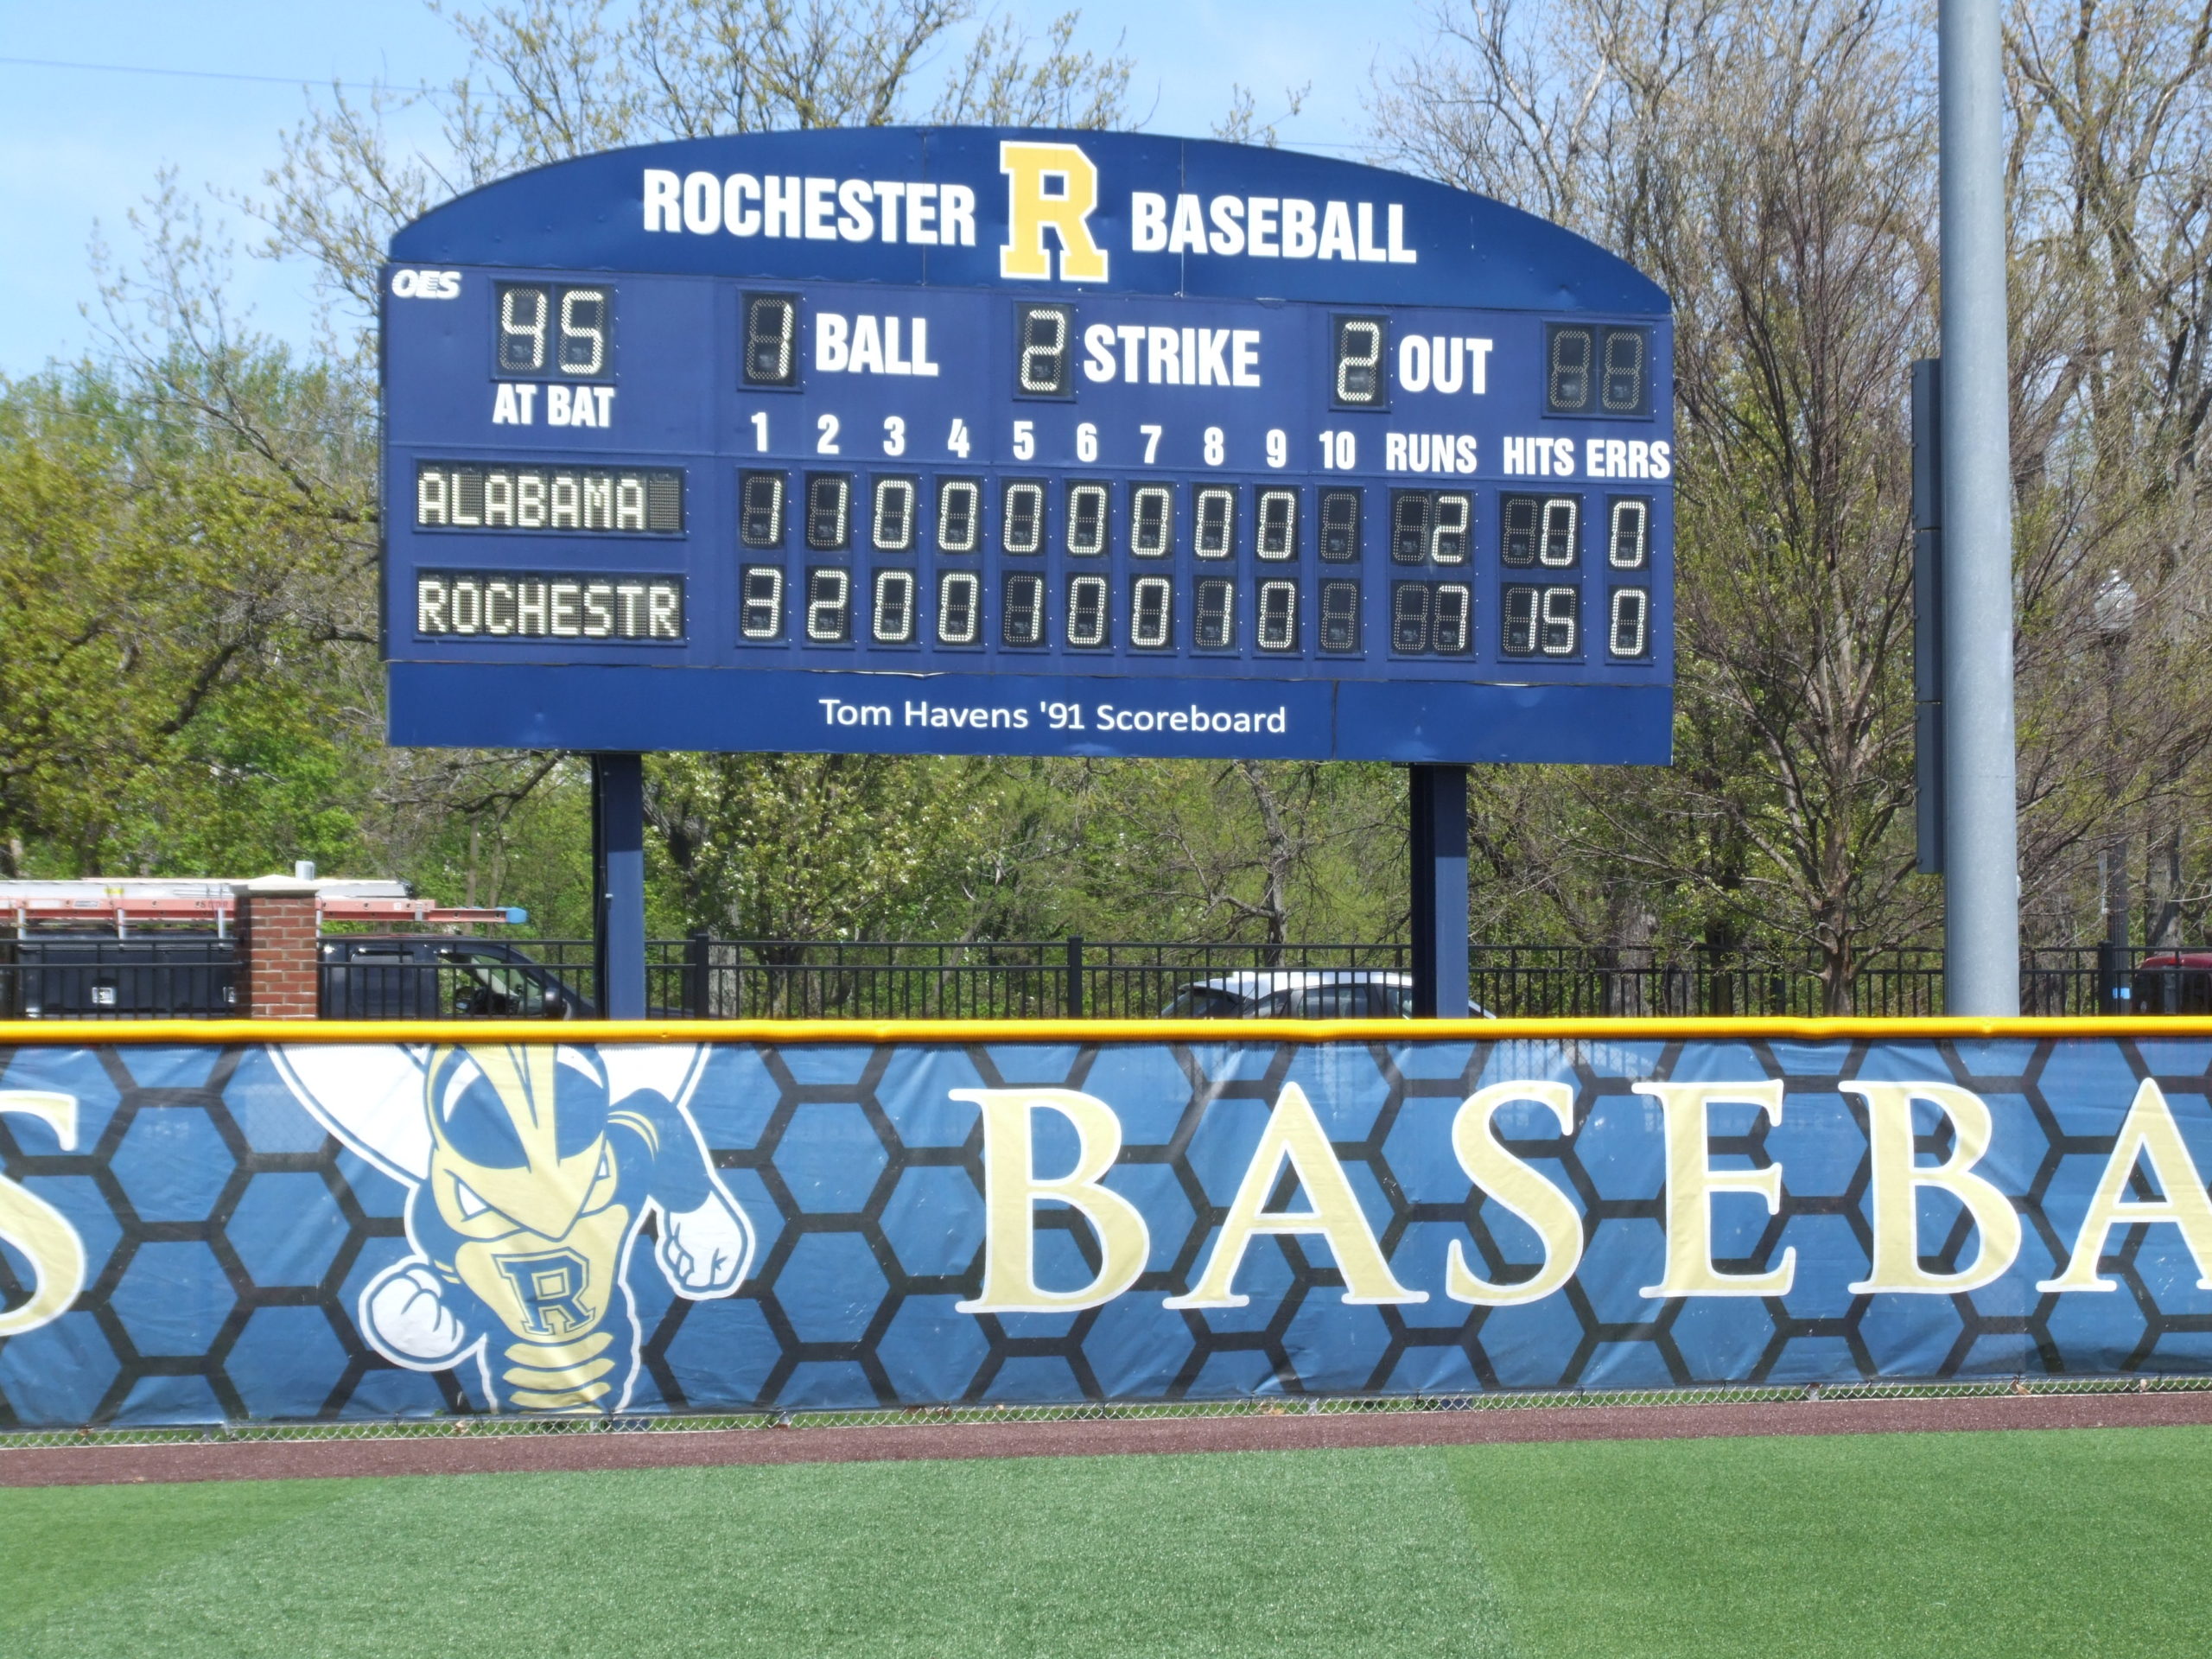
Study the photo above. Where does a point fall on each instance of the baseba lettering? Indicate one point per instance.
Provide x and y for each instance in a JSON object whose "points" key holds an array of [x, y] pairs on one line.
{"points": [[1295, 1144]]}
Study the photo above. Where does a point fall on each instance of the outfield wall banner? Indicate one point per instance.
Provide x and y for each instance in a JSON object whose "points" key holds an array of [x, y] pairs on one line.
{"points": [[197, 1231]]}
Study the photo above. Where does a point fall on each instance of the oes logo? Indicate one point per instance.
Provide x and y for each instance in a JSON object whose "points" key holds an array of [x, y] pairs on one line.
{"points": [[426, 284]]}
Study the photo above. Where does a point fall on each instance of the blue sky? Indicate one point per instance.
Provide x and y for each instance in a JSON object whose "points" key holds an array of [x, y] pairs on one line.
{"points": [[78, 147]]}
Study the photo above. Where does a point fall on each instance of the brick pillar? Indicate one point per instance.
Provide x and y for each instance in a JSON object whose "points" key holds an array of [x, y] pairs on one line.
{"points": [[277, 949]]}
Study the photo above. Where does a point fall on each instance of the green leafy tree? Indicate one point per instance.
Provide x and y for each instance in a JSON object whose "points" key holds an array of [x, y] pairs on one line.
{"points": [[163, 614], [820, 847]]}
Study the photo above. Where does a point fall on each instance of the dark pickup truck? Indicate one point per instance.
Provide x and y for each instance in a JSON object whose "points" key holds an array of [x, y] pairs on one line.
{"points": [[178, 975]]}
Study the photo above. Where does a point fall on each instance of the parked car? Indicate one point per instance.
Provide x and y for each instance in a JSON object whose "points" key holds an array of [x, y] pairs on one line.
{"points": [[1301, 994], [61, 976], [429, 976], [2177, 981]]}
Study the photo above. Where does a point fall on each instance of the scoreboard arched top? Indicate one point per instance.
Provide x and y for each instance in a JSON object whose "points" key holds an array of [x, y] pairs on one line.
{"points": [[1029, 209]]}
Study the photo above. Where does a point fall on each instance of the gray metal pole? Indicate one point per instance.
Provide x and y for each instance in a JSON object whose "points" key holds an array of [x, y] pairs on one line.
{"points": [[1981, 916]]}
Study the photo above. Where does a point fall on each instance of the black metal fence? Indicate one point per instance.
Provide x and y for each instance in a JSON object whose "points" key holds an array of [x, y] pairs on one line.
{"points": [[70, 976], [1547, 981], [1554, 980], [784, 979], [1072, 978]]}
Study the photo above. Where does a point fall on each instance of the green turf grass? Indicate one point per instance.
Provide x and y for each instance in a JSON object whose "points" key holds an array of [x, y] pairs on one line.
{"points": [[2084, 1544], [67, 1544], [2087, 1544], [1318, 1555]]}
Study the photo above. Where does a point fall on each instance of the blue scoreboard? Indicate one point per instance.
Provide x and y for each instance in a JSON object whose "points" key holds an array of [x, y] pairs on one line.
{"points": [[970, 441]]}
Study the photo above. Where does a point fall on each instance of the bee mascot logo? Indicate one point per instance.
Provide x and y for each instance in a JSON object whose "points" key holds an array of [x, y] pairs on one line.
{"points": [[530, 1170]]}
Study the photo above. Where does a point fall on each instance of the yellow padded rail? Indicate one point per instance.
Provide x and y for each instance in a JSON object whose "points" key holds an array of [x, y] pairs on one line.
{"points": [[94, 1032]]}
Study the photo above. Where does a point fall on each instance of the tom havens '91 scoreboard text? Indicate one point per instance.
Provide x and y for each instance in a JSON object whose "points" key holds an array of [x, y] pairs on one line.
{"points": [[959, 441]]}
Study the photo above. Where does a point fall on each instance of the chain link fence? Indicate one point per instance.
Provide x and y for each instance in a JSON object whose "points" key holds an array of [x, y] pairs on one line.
{"points": [[445, 1428]]}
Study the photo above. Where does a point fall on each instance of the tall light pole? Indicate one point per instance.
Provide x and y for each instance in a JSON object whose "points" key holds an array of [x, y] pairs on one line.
{"points": [[1981, 912]]}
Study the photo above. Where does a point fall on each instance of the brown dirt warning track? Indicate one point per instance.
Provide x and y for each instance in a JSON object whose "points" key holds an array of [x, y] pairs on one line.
{"points": [[459, 1454]]}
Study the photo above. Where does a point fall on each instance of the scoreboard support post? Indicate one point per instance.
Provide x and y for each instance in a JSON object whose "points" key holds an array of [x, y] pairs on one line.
{"points": [[618, 871], [1440, 891]]}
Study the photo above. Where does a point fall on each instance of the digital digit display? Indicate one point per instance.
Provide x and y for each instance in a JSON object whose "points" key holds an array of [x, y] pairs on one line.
{"points": [[1557, 547], [771, 356], [1539, 529], [1598, 371], [1452, 607], [1152, 520], [1090, 507], [554, 328], [1278, 536], [1042, 366], [1340, 616], [761, 604], [1024, 530], [895, 515], [1632, 613], [1205, 449], [894, 607], [1278, 617], [959, 515], [829, 511], [1624, 544], [760, 509], [1215, 626], [1152, 613], [1025, 611], [1360, 343], [1340, 526], [959, 607], [1214, 535], [1409, 618], [1542, 621], [828, 604]]}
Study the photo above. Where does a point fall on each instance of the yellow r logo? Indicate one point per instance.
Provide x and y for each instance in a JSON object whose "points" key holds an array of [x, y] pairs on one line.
{"points": [[1064, 209], [30, 1224]]}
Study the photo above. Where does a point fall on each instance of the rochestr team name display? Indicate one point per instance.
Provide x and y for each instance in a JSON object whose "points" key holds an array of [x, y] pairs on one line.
{"points": [[992, 442], [195, 1231]]}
